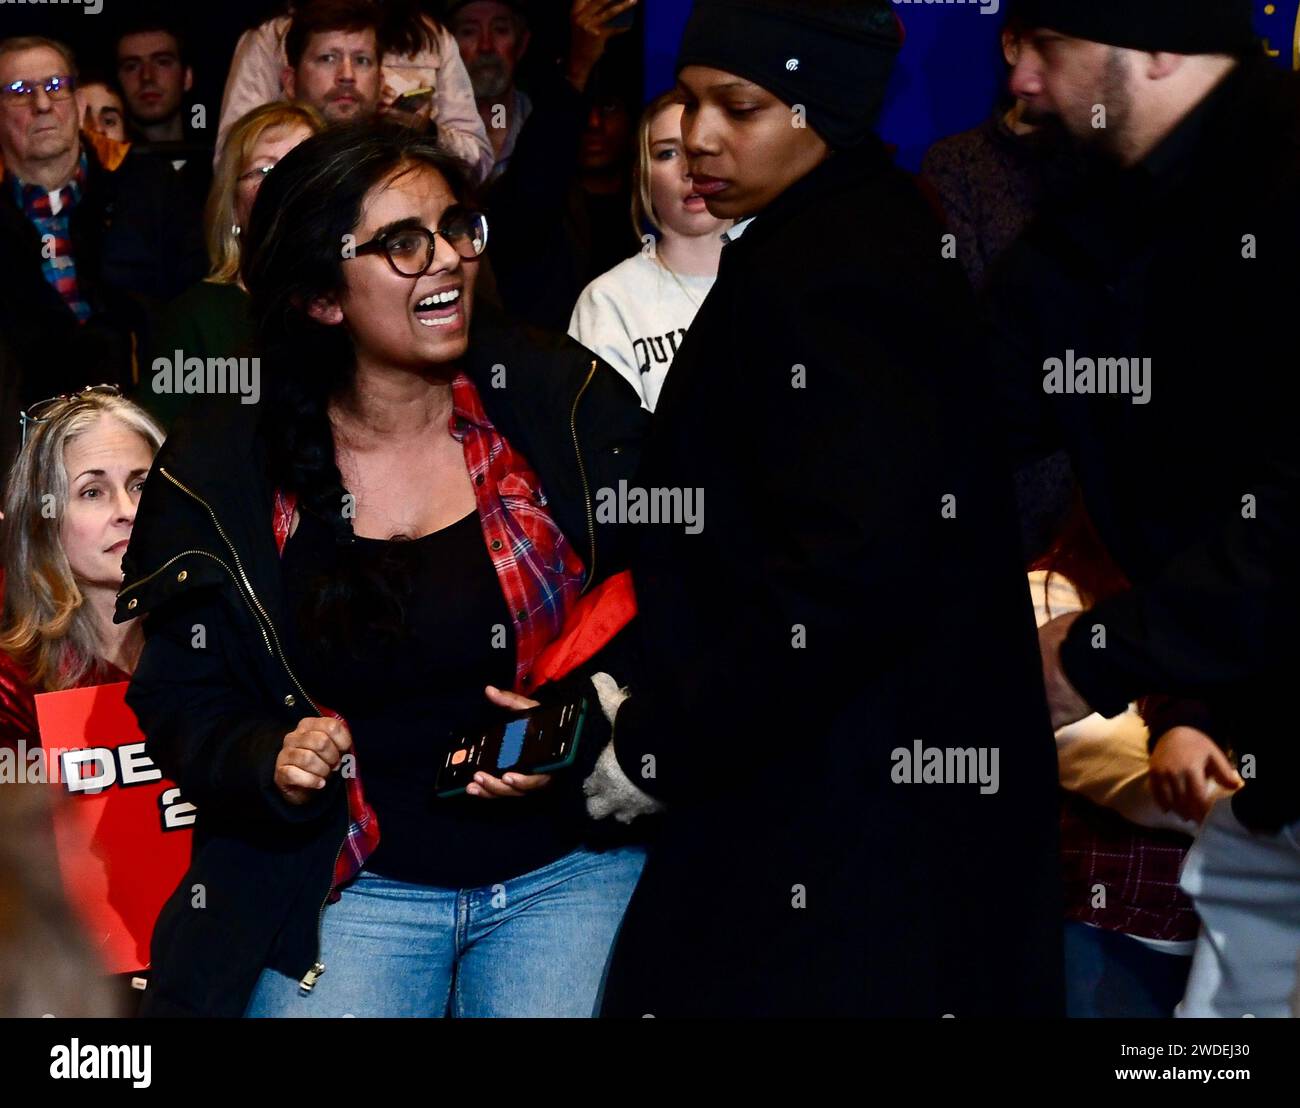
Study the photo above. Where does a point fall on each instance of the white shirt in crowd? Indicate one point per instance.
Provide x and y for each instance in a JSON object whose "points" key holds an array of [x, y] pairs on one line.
{"points": [[635, 317], [260, 59]]}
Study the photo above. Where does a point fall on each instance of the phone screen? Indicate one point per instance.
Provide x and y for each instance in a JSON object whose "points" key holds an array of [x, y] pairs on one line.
{"points": [[539, 741], [512, 744]]}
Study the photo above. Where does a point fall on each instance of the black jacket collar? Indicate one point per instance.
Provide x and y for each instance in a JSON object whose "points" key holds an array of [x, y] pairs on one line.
{"points": [[844, 169]]}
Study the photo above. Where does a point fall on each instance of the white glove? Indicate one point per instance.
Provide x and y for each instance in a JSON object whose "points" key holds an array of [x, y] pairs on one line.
{"points": [[608, 790]]}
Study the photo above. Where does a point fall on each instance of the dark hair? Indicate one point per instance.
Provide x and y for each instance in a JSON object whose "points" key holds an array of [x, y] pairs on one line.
{"points": [[407, 28], [150, 20], [318, 16], [97, 76], [293, 253], [1079, 555]]}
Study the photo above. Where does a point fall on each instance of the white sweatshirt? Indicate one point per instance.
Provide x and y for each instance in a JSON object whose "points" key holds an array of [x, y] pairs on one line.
{"points": [[259, 60], [635, 317]]}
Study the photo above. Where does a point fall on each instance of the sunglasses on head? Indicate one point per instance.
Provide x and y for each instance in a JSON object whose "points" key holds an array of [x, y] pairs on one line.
{"points": [[43, 410]]}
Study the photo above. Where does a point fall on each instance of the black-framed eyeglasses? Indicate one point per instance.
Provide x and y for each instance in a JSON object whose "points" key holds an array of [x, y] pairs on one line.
{"points": [[40, 411], [58, 87], [410, 250]]}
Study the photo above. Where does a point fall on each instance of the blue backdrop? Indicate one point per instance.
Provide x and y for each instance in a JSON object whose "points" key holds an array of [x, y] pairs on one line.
{"points": [[950, 69]]}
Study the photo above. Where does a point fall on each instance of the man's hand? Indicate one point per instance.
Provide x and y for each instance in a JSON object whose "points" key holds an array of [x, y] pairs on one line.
{"points": [[391, 111], [311, 752], [1064, 701], [1184, 763], [589, 31]]}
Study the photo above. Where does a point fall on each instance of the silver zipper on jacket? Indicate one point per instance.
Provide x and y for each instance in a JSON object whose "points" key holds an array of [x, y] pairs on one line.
{"points": [[310, 978], [582, 472]]}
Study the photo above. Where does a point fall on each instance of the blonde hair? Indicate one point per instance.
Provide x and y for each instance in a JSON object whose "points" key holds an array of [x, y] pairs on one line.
{"points": [[219, 216], [643, 210], [47, 628]]}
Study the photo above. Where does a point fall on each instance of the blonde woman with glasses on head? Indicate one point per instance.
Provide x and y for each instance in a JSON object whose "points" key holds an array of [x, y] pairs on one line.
{"points": [[85, 456]]}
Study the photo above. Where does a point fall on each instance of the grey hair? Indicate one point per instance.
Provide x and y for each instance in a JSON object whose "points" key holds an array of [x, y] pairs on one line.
{"points": [[47, 627], [37, 42]]}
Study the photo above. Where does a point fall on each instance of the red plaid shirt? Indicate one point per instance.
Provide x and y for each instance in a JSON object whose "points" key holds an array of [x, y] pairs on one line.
{"points": [[1137, 867], [539, 572]]}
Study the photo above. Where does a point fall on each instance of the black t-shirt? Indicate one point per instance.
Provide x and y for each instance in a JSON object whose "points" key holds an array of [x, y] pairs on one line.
{"points": [[405, 694]]}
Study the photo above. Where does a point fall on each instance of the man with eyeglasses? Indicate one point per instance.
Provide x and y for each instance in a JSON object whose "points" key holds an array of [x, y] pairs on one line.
{"points": [[93, 240]]}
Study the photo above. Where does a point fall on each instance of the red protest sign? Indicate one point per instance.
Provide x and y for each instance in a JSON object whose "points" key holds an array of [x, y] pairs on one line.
{"points": [[121, 830]]}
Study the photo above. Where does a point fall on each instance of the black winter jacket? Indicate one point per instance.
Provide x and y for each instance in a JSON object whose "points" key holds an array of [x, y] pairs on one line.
{"points": [[856, 589], [1188, 260], [202, 553]]}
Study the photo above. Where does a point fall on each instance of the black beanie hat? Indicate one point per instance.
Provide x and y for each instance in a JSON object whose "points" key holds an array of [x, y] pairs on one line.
{"points": [[1176, 26], [832, 56]]}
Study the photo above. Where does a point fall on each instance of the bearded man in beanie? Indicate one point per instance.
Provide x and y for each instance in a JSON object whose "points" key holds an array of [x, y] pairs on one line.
{"points": [[846, 828], [1137, 323]]}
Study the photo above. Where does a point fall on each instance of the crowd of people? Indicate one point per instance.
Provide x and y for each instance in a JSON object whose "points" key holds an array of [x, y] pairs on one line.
{"points": [[353, 392]]}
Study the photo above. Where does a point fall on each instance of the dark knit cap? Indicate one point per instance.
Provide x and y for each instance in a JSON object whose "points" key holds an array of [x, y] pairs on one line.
{"points": [[832, 56], [1175, 26]]}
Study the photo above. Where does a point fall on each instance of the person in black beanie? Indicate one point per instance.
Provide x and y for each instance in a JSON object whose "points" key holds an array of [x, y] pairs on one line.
{"points": [[1134, 327], [839, 834]]}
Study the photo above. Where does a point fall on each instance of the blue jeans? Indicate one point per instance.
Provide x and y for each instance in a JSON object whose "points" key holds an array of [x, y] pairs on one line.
{"points": [[1113, 976], [536, 945]]}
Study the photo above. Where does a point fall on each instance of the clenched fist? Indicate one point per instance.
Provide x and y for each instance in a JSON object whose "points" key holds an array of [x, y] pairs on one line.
{"points": [[311, 752]]}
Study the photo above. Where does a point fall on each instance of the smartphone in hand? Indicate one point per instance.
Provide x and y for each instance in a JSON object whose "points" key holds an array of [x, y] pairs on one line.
{"points": [[623, 21], [541, 740], [413, 100]]}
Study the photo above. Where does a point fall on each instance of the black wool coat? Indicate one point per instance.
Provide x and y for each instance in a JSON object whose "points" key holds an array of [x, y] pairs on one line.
{"points": [[856, 589]]}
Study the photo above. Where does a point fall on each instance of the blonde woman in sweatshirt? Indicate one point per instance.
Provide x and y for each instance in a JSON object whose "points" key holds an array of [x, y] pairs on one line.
{"points": [[636, 315]]}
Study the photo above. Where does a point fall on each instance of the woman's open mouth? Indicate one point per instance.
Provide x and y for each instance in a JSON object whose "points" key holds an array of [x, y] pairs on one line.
{"points": [[439, 309]]}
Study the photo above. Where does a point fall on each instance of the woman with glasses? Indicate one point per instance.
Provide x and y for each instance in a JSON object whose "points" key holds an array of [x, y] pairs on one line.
{"points": [[211, 320], [377, 552], [68, 511]]}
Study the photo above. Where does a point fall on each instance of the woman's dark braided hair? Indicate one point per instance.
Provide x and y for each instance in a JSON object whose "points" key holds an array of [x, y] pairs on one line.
{"points": [[306, 214]]}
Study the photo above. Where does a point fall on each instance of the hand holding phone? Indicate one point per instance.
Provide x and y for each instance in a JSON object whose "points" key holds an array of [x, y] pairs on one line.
{"points": [[414, 99], [413, 108], [601, 18], [523, 750]]}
